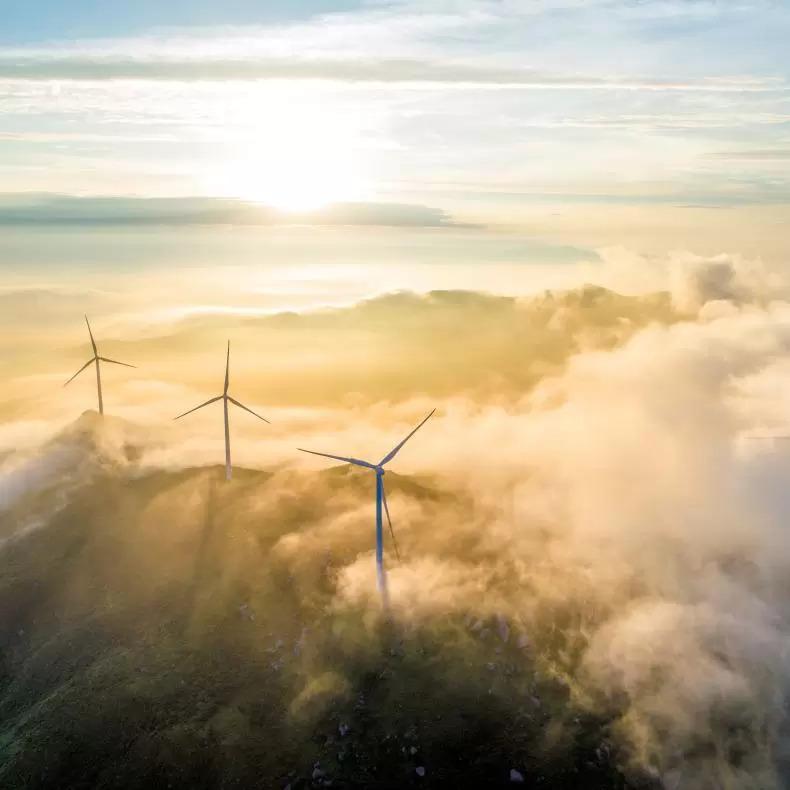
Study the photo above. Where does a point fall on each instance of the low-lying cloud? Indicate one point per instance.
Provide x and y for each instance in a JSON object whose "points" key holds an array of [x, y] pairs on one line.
{"points": [[613, 515]]}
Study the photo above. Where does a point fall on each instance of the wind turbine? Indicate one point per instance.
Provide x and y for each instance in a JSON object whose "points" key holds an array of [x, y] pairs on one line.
{"points": [[96, 359], [381, 500], [225, 398]]}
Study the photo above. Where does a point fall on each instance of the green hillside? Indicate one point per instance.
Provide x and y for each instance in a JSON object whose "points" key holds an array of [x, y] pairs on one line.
{"points": [[154, 633]]}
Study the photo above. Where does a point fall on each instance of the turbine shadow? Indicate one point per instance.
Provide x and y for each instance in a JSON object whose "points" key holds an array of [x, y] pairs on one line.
{"points": [[204, 562]]}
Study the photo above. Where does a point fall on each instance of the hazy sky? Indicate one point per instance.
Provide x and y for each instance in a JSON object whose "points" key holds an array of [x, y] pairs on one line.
{"points": [[483, 109], [504, 146]]}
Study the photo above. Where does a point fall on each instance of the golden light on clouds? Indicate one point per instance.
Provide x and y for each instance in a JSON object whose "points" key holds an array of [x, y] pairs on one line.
{"points": [[560, 228]]}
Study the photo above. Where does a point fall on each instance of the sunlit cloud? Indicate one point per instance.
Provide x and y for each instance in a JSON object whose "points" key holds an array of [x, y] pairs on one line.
{"points": [[372, 104], [396, 71]]}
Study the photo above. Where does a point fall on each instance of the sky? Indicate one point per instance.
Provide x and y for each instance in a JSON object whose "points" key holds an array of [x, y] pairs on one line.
{"points": [[500, 113], [247, 157]]}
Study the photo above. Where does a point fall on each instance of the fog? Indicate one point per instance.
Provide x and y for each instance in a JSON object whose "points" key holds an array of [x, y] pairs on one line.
{"points": [[601, 494]]}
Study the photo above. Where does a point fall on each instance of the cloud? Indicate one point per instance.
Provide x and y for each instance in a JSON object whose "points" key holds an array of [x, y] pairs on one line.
{"points": [[759, 155], [595, 502], [387, 84], [397, 71], [695, 283], [608, 516], [43, 209]]}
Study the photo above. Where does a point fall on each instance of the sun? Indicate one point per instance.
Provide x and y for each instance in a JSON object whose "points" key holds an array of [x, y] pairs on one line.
{"points": [[295, 167], [292, 148], [294, 181]]}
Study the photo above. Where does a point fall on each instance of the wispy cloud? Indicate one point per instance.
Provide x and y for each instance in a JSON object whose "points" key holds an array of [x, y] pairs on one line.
{"points": [[71, 210], [400, 96], [394, 70], [767, 155]]}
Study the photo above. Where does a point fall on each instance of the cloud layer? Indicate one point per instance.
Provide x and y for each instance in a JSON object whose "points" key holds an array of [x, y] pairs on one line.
{"points": [[605, 509], [33, 209]]}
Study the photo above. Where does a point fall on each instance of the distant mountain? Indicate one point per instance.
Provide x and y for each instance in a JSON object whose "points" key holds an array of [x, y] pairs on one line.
{"points": [[442, 343]]}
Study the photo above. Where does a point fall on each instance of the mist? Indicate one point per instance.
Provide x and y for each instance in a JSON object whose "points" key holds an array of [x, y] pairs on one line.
{"points": [[591, 529]]}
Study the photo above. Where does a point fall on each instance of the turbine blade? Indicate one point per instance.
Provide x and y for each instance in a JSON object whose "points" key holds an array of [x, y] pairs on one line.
{"points": [[89, 362], [93, 342], [389, 520], [242, 406], [227, 369], [354, 461], [115, 362], [219, 397], [394, 451]]}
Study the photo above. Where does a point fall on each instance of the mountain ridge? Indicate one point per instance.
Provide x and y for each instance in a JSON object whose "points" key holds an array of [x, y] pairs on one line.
{"points": [[166, 628]]}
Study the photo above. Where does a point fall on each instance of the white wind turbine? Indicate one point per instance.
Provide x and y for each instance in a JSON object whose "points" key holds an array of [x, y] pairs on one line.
{"points": [[225, 398], [96, 360], [381, 501]]}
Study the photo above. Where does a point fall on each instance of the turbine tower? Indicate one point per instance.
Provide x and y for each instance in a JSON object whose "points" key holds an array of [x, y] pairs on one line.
{"points": [[381, 501], [225, 398], [97, 360]]}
